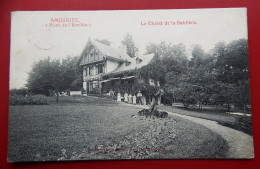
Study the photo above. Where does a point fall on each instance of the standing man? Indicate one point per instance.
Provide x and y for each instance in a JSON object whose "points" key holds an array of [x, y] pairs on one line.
{"points": [[139, 98]]}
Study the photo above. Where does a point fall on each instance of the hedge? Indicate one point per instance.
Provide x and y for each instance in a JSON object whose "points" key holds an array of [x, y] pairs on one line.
{"points": [[27, 100]]}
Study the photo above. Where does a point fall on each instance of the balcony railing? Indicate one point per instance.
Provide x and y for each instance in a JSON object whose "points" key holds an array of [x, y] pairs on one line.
{"points": [[93, 77]]}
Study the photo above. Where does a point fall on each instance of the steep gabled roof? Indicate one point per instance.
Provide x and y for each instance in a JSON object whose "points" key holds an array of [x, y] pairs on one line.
{"points": [[106, 51], [109, 51], [143, 60]]}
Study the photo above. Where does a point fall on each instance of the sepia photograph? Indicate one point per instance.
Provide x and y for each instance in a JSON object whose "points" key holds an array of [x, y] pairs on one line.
{"points": [[129, 84]]}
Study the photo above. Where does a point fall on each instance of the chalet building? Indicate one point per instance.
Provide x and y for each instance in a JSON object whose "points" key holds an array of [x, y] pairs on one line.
{"points": [[105, 67]]}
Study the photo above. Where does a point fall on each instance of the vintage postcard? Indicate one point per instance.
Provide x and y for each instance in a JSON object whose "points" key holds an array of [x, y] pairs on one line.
{"points": [[129, 84]]}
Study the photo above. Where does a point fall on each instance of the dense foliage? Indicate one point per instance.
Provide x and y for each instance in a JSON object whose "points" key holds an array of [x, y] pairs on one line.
{"points": [[132, 50], [20, 92], [27, 100], [52, 76], [220, 76]]}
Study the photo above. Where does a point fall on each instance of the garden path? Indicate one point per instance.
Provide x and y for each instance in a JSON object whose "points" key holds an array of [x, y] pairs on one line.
{"points": [[240, 144]]}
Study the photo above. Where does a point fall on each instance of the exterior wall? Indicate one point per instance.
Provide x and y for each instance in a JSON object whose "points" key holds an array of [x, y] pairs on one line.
{"points": [[90, 56], [93, 84], [111, 65]]}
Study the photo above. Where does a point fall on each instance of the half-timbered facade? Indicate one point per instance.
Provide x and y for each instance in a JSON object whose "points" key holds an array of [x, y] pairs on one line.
{"points": [[99, 61]]}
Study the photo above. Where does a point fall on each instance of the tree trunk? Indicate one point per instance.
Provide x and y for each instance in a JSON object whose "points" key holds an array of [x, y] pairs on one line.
{"points": [[57, 96], [200, 105], [228, 107], [149, 98], [244, 109]]}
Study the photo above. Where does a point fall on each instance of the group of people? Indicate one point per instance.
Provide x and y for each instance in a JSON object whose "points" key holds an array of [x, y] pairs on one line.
{"points": [[132, 99]]}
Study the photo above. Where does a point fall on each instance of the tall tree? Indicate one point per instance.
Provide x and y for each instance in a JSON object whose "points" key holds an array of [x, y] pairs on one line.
{"points": [[45, 75], [196, 85], [232, 70], [132, 50], [53, 75], [232, 61], [174, 60], [71, 74], [174, 57], [198, 56]]}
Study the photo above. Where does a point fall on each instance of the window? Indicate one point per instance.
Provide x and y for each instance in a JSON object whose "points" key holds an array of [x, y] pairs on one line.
{"points": [[85, 71], [138, 60], [91, 71], [151, 82], [100, 69], [127, 63]]}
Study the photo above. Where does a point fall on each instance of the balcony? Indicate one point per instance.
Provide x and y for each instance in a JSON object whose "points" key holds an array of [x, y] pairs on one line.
{"points": [[93, 77]]}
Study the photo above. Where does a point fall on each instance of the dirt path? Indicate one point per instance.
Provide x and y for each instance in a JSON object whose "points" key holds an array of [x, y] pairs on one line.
{"points": [[240, 144]]}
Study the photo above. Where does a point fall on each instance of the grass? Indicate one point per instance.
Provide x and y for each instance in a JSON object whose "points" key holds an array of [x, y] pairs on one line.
{"points": [[84, 128], [241, 123]]}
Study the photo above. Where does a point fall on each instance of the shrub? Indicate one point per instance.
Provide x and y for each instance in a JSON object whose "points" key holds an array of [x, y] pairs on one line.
{"points": [[160, 114], [242, 123], [156, 113], [27, 100]]}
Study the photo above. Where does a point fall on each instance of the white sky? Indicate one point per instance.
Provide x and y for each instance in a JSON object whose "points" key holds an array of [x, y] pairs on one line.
{"points": [[31, 40]]}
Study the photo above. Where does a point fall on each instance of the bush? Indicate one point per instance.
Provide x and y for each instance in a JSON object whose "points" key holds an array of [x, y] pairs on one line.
{"points": [[28, 100], [160, 114], [242, 123], [156, 113]]}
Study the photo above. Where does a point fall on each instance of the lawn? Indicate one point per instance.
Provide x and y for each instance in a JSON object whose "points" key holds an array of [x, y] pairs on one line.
{"points": [[85, 128], [238, 122]]}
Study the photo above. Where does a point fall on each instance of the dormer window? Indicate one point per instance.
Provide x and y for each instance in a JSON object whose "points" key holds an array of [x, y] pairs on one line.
{"points": [[138, 60], [127, 63]]}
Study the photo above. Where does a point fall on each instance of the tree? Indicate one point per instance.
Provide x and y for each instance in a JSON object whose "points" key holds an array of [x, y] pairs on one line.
{"points": [[104, 41], [22, 91], [242, 94], [132, 50], [223, 93], [53, 75], [233, 72], [219, 76], [45, 75], [232, 61], [196, 86], [154, 70], [198, 56], [173, 59], [71, 74]]}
